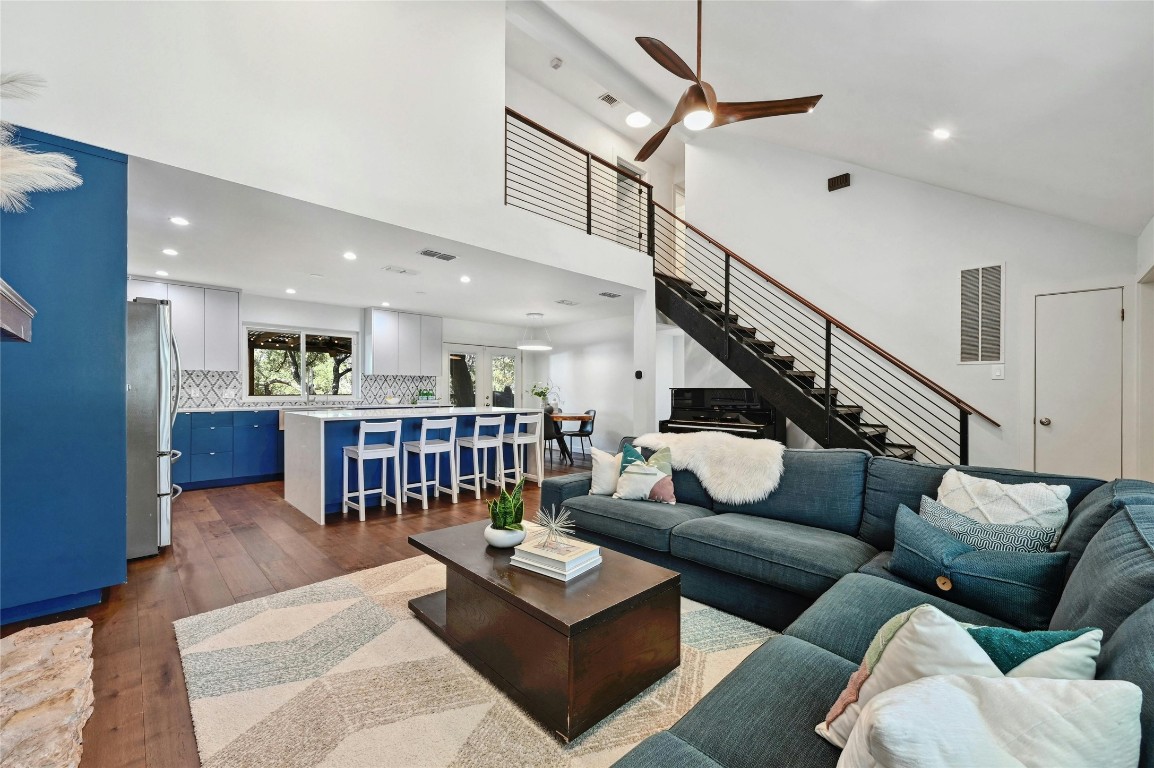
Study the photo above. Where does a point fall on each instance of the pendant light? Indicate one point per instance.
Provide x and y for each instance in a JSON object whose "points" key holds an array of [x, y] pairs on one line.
{"points": [[534, 341]]}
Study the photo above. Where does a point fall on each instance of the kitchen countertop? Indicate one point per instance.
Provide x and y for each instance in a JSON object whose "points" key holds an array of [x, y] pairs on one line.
{"points": [[404, 412], [261, 407]]}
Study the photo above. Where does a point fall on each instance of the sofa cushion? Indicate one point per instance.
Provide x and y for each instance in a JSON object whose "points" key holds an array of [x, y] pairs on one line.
{"points": [[689, 489], [845, 619], [1099, 506], [665, 749], [763, 713], [798, 558], [890, 482], [1128, 656], [1022, 588], [640, 522], [820, 488], [1115, 576]]}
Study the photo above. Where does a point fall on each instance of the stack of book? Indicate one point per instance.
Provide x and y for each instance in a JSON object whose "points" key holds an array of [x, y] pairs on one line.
{"points": [[563, 559]]}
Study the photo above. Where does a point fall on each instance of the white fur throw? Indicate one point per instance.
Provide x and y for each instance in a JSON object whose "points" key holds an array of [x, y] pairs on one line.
{"points": [[732, 469]]}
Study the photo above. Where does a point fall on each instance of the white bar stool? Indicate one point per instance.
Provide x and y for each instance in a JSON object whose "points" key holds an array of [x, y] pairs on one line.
{"points": [[481, 445], [527, 432], [427, 446], [362, 452]]}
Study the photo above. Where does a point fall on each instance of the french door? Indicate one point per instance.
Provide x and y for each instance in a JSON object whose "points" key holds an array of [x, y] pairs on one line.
{"points": [[482, 376]]}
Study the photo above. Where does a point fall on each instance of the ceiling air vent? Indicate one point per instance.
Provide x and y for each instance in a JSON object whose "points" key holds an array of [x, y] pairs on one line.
{"points": [[610, 295], [437, 254], [400, 270], [608, 98], [567, 302]]}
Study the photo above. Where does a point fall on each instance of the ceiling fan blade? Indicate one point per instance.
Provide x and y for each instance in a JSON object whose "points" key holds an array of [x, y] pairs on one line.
{"points": [[710, 96], [652, 145], [734, 111], [664, 55], [684, 104]]}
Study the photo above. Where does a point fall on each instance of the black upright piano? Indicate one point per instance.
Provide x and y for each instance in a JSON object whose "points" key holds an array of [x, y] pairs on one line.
{"points": [[740, 412]]}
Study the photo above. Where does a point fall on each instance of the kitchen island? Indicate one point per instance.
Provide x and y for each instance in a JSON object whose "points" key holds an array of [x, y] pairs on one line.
{"points": [[314, 443]]}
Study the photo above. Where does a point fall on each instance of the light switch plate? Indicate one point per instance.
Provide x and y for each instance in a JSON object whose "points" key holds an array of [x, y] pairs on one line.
{"points": [[997, 372], [193, 391]]}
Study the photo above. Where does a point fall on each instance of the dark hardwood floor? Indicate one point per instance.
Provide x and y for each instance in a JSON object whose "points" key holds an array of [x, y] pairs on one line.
{"points": [[228, 545]]}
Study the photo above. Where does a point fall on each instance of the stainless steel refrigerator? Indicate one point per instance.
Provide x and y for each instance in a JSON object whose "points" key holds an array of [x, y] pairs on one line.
{"points": [[153, 391]]}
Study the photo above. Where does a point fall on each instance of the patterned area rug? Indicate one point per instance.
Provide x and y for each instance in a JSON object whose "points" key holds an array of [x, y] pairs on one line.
{"points": [[340, 674]]}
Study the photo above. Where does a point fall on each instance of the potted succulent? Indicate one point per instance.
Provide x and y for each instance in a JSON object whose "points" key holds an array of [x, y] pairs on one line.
{"points": [[506, 514]]}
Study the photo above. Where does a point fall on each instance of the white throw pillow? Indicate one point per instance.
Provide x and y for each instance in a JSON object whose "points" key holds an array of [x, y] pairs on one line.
{"points": [[948, 721], [606, 471], [988, 501], [924, 641]]}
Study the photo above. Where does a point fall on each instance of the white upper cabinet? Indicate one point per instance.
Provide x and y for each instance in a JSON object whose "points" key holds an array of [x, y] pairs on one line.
{"points": [[402, 344], [146, 289], [188, 324], [205, 322], [431, 338], [221, 330]]}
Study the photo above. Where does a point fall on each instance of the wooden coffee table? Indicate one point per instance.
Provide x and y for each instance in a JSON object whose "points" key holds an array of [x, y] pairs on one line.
{"points": [[569, 653]]}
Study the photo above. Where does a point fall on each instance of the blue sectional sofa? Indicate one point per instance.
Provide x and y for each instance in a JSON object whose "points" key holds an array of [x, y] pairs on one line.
{"points": [[810, 560]]}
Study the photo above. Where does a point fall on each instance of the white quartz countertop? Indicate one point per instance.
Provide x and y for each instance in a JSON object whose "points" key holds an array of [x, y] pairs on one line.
{"points": [[293, 408], [402, 413]]}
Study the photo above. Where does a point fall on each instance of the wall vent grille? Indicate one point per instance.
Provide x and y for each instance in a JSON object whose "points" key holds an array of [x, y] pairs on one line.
{"points": [[981, 326], [437, 255], [400, 270], [610, 295], [567, 302], [609, 99]]}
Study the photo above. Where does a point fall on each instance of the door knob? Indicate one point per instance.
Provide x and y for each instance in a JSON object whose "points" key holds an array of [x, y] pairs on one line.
{"points": [[1044, 422]]}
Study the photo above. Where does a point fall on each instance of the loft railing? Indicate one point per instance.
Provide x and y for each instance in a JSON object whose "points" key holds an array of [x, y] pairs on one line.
{"points": [[549, 175]]}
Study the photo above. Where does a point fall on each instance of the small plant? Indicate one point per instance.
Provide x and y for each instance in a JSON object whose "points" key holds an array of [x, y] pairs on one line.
{"points": [[507, 511]]}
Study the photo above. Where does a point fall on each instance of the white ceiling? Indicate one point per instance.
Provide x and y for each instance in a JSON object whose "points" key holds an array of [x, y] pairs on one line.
{"points": [[262, 243], [533, 60], [1051, 104]]}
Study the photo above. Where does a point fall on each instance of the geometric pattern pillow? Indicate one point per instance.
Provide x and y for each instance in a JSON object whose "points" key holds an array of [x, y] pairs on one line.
{"points": [[647, 480], [1000, 537], [924, 641], [988, 501]]}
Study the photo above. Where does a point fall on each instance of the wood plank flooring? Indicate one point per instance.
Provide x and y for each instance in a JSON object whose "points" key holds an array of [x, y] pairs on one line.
{"points": [[228, 545]]}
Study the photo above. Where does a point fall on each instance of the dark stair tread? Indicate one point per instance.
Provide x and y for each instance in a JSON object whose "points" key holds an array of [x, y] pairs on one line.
{"points": [[743, 330], [761, 344], [871, 430], [899, 451], [845, 410], [821, 391], [781, 361], [719, 315]]}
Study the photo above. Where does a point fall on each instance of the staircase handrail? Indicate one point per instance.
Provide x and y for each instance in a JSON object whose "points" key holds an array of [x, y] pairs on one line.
{"points": [[576, 147], [889, 357]]}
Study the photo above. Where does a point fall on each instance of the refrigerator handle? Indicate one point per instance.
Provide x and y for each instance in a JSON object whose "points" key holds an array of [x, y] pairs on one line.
{"points": [[179, 377]]}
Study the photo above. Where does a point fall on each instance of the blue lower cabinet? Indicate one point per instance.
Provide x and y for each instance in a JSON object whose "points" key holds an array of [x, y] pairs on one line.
{"points": [[211, 466], [182, 441], [255, 450], [211, 439]]}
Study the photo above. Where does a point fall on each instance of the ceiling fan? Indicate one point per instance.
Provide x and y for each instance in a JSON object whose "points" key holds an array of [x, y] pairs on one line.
{"points": [[698, 108]]}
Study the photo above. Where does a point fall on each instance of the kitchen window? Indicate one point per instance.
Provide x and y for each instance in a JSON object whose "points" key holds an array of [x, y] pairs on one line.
{"points": [[290, 364]]}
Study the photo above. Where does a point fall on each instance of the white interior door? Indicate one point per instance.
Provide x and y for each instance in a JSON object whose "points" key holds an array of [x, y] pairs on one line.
{"points": [[1078, 383], [482, 376]]}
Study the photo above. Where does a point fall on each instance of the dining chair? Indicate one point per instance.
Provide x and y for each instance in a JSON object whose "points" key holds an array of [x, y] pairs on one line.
{"points": [[583, 432]]}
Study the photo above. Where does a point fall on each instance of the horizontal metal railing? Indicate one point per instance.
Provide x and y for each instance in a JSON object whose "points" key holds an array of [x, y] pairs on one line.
{"points": [[551, 176]]}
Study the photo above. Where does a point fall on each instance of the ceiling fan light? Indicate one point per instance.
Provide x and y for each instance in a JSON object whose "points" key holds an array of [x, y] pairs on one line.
{"points": [[698, 120]]}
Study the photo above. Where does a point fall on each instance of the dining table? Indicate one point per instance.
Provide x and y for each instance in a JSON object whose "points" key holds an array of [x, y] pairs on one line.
{"points": [[566, 453]]}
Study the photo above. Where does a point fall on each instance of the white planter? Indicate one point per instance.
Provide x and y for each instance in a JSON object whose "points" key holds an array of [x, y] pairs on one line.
{"points": [[503, 538]]}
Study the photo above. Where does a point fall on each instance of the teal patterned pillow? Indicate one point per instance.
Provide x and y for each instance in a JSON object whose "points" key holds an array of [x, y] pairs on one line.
{"points": [[998, 537]]}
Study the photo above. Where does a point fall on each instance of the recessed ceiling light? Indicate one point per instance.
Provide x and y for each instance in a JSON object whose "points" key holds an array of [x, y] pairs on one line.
{"points": [[290, 290], [179, 221], [384, 303], [161, 273], [637, 120], [941, 133], [170, 252], [350, 256], [465, 279]]}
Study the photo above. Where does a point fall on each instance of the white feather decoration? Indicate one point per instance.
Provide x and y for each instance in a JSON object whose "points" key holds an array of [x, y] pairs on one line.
{"points": [[22, 171]]}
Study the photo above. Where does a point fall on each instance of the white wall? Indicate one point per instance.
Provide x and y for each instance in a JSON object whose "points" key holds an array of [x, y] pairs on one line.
{"points": [[299, 314], [592, 363], [542, 105], [1145, 385], [389, 110], [884, 255]]}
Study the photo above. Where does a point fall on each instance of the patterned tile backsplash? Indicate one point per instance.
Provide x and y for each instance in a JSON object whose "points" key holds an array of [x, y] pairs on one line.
{"points": [[224, 389]]}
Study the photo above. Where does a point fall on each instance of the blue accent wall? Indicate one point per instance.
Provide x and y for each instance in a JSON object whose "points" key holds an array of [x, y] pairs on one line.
{"points": [[62, 411]]}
